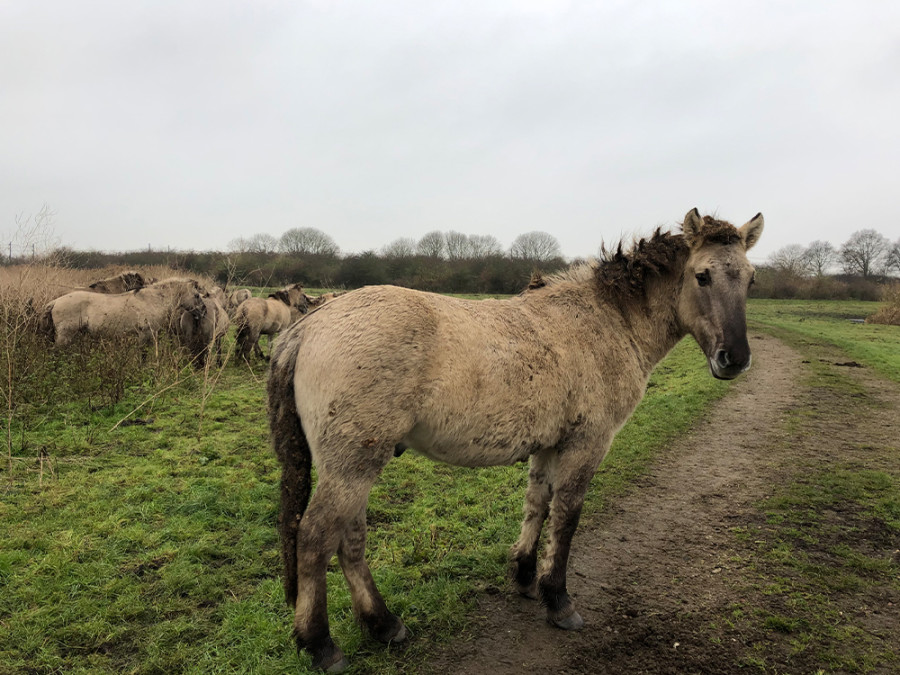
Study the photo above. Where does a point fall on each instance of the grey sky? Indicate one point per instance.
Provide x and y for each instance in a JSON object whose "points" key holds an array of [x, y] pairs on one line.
{"points": [[188, 124]]}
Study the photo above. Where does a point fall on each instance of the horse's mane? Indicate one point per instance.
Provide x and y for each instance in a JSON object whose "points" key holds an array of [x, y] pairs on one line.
{"points": [[193, 284], [625, 273], [719, 231]]}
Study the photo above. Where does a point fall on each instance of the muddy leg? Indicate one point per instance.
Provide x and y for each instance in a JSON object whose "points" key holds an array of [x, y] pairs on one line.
{"points": [[368, 605], [571, 481], [537, 505], [257, 348], [333, 506]]}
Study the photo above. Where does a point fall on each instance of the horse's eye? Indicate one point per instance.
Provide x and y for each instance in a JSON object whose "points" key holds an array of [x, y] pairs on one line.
{"points": [[703, 278]]}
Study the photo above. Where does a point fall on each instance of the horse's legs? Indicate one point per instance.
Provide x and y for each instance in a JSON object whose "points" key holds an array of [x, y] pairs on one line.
{"points": [[536, 508], [576, 467], [334, 504], [257, 348], [368, 605]]}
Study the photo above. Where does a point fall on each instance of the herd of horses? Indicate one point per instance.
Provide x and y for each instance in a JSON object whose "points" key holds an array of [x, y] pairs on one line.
{"points": [[548, 377], [130, 304]]}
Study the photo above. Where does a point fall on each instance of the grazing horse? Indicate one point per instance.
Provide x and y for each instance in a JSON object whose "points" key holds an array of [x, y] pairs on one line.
{"points": [[549, 375], [143, 312], [267, 316]]}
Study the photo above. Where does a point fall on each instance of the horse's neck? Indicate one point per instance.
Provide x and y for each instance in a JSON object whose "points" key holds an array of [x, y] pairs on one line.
{"points": [[653, 318]]}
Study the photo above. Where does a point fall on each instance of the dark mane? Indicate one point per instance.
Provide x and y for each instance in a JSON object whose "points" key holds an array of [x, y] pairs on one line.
{"points": [[625, 273], [719, 231]]}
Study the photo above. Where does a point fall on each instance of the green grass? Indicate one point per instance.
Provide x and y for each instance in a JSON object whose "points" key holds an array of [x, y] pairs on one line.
{"points": [[831, 322], [151, 547], [824, 549], [823, 559]]}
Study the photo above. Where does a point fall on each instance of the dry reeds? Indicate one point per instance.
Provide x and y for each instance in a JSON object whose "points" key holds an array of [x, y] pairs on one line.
{"points": [[890, 313]]}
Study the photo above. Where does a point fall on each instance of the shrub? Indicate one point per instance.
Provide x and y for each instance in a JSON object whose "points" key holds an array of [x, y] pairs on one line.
{"points": [[890, 313]]}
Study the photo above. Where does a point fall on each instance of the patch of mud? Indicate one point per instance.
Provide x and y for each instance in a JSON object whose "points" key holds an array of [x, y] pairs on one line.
{"points": [[654, 574]]}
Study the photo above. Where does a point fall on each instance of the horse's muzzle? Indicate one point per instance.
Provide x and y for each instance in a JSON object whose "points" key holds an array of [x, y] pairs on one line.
{"points": [[724, 366]]}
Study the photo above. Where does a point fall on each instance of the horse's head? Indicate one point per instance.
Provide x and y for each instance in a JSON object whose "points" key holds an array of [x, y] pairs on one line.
{"points": [[713, 299], [191, 299]]}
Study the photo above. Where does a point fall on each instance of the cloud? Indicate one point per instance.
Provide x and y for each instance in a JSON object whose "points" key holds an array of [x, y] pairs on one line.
{"points": [[190, 124]]}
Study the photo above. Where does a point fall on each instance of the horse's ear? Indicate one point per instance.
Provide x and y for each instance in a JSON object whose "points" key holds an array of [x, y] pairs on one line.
{"points": [[692, 225], [751, 230]]}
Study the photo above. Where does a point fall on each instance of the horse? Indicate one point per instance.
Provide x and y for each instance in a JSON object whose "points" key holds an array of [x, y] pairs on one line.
{"points": [[235, 298], [267, 316], [144, 311], [121, 283], [316, 300], [547, 376], [202, 331]]}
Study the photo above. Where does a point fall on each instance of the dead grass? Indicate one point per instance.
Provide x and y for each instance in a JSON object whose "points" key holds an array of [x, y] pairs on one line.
{"points": [[42, 282], [889, 314]]}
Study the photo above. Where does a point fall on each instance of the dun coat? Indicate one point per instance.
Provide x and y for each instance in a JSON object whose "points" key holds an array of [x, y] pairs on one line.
{"points": [[267, 316], [547, 376], [143, 312]]}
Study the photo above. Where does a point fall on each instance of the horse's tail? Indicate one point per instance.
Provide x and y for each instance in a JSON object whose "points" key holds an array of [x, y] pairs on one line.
{"points": [[292, 449]]}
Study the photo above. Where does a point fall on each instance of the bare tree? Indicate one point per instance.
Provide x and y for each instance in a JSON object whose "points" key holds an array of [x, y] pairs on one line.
{"points": [[864, 253], [536, 246], [432, 245], [262, 243], [404, 247], [457, 245], [307, 240], [790, 259], [484, 245], [238, 245], [820, 255], [892, 262]]}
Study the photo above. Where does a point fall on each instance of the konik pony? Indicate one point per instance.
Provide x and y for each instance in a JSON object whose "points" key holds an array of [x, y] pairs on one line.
{"points": [[548, 376]]}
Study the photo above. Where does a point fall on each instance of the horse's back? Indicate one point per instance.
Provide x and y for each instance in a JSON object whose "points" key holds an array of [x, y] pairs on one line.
{"points": [[468, 382]]}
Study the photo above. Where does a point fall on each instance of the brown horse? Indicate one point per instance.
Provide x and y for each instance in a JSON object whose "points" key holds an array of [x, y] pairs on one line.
{"points": [[267, 316], [143, 312], [549, 375], [121, 283]]}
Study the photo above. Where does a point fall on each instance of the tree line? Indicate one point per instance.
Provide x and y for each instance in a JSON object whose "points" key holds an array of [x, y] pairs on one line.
{"points": [[458, 263], [856, 269], [439, 261]]}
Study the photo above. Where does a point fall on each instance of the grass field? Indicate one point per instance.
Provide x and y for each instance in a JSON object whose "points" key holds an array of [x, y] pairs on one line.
{"points": [[833, 322], [149, 545]]}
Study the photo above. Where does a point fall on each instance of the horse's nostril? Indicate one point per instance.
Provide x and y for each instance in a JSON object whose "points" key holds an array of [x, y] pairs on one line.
{"points": [[723, 359]]}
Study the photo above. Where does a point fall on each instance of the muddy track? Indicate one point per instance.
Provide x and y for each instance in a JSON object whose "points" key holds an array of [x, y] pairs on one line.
{"points": [[653, 573]]}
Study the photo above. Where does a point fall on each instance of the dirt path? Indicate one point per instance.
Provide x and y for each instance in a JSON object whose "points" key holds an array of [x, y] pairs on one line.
{"points": [[652, 574]]}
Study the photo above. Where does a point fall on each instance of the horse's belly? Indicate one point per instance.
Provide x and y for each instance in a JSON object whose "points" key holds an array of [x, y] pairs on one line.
{"points": [[471, 452]]}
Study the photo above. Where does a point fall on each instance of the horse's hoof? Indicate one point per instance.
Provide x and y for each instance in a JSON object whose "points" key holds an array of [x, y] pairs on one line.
{"points": [[335, 662], [389, 633], [531, 592], [340, 666], [572, 621]]}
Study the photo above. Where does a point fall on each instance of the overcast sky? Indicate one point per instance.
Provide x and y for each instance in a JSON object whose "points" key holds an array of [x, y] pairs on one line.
{"points": [[188, 124]]}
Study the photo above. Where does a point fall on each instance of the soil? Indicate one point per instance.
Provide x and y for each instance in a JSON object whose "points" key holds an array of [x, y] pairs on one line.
{"points": [[654, 574]]}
